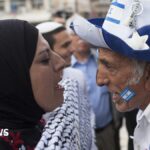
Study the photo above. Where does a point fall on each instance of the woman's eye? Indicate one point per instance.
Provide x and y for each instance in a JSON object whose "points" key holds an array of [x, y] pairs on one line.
{"points": [[45, 61]]}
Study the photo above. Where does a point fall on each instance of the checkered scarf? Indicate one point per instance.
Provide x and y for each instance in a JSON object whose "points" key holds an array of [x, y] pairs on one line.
{"points": [[69, 126]]}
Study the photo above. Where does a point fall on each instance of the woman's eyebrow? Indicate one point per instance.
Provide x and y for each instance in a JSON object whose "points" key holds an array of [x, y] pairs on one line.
{"points": [[43, 51]]}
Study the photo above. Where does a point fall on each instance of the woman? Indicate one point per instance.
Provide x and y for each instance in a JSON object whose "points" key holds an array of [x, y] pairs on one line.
{"points": [[29, 78]]}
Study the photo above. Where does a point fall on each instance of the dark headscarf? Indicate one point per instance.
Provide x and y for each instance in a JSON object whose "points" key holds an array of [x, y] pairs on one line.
{"points": [[18, 108]]}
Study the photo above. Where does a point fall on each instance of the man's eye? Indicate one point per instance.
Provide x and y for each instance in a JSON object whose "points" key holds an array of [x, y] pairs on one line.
{"points": [[66, 44], [109, 66]]}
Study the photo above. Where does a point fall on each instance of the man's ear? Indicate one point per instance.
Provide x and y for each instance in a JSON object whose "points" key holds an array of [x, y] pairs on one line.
{"points": [[147, 77]]}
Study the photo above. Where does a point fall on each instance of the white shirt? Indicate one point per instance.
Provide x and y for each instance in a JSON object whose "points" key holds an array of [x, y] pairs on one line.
{"points": [[142, 130]]}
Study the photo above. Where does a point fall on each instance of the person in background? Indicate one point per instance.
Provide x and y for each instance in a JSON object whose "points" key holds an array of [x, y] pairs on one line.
{"points": [[58, 38], [123, 39], [29, 78]]}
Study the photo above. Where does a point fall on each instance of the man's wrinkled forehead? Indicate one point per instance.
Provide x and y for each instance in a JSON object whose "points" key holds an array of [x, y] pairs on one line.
{"points": [[110, 52], [112, 56]]}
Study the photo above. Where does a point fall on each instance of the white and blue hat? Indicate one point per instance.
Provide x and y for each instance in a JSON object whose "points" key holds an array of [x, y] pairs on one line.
{"points": [[125, 29]]}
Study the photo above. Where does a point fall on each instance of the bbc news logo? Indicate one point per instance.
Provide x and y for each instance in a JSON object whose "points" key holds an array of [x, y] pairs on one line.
{"points": [[4, 132]]}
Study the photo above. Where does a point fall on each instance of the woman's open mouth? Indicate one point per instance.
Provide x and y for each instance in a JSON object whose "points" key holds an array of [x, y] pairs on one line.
{"points": [[59, 87]]}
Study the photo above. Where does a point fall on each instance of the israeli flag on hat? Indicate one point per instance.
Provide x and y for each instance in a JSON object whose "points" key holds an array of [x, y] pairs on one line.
{"points": [[125, 29]]}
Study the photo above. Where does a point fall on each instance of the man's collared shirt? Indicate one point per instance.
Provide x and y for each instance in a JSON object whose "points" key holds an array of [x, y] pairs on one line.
{"points": [[142, 130], [98, 96]]}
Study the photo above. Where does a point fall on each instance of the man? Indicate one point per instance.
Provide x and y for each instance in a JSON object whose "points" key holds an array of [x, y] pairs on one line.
{"points": [[60, 42], [117, 116], [124, 59], [85, 59], [57, 37]]}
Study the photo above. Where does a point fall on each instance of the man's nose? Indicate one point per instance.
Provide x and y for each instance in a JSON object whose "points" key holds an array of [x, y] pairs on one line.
{"points": [[59, 62], [72, 49], [101, 78]]}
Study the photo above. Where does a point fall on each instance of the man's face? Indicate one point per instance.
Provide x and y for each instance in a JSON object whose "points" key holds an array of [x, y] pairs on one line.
{"points": [[116, 72], [62, 46], [79, 45]]}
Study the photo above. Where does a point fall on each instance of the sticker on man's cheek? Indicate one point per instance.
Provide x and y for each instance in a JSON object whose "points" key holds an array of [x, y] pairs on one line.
{"points": [[127, 94]]}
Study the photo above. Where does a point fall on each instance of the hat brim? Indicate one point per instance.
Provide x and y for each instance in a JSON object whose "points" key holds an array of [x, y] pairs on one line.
{"points": [[89, 31]]}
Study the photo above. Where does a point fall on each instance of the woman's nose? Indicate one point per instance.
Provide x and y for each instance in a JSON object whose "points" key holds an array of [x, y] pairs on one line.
{"points": [[101, 78]]}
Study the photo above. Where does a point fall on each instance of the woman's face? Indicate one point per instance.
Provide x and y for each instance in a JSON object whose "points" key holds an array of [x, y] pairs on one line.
{"points": [[45, 73]]}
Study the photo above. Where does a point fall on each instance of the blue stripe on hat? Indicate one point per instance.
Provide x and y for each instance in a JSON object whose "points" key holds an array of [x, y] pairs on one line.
{"points": [[119, 5], [113, 20]]}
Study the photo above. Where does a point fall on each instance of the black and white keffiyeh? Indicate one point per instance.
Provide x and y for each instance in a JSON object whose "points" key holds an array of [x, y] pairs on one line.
{"points": [[69, 126]]}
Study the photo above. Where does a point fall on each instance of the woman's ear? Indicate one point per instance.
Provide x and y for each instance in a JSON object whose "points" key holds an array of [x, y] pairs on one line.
{"points": [[147, 78]]}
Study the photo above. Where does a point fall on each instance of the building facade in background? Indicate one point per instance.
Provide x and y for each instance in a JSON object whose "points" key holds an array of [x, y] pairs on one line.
{"points": [[100, 7], [94, 7], [30, 10], [41, 10]]}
